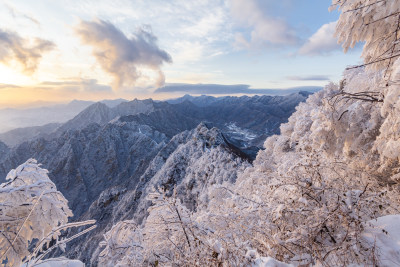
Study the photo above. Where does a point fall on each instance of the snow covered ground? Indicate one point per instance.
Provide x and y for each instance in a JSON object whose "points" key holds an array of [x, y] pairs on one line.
{"points": [[269, 262], [57, 262], [384, 234], [239, 133]]}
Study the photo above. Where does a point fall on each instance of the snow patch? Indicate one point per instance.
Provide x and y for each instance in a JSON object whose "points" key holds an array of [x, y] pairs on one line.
{"points": [[57, 262], [243, 134], [384, 234], [269, 262]]}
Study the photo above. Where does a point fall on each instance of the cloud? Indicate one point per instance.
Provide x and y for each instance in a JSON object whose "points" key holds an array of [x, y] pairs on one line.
{"points": [[54, 91], [27, 52], [266, 30], [121, 56], [322, 42], [219, 89], [309, 78], [208, 24], [76, 85], [15, 14], [188, 51], [7, 86]]}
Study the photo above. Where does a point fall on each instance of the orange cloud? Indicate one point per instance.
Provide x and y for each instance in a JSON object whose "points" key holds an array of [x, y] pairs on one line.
{"points": [[121, 56], [26, 52], [59, 91]]}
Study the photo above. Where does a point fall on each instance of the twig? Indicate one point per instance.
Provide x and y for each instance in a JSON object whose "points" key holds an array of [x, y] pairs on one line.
{"points": [[16, 236], [361, 7]]}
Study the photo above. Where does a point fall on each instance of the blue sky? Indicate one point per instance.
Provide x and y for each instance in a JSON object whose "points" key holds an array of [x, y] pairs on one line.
{"points": [[91, 49]]}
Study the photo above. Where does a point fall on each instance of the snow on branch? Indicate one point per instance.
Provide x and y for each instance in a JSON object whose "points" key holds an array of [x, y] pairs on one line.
{"points": [[375, 22], [32, 214]]}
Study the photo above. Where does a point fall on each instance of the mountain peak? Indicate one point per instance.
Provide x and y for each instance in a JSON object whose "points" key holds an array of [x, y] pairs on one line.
{"points": [[98, 113], [134, 107], [212, 136]]}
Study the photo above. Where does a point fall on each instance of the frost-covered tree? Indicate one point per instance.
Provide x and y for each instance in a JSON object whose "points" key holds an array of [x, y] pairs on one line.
{"points": [[171, 236], [123, 245], [32, 214], [375, 22]]}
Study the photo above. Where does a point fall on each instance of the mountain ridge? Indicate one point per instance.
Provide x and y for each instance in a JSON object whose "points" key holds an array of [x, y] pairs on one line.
{"points": [[106, 156]]}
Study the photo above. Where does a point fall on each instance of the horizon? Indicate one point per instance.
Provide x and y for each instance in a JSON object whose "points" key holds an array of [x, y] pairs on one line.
{"points": [[93, 50], [42, 114], [47, 104]]}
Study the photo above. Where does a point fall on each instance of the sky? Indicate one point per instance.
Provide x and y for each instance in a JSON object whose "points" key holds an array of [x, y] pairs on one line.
{"points": [[56, 51]]}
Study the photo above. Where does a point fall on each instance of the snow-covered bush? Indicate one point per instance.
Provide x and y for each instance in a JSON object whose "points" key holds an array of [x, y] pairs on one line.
{"points": [[123, 245], [32, 214], [315, 211], [169, 237], [31, 207]]}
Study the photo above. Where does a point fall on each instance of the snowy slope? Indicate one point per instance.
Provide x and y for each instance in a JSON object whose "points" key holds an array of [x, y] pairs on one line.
{"points": [[191, 162], [86, 162], [384, 234]]}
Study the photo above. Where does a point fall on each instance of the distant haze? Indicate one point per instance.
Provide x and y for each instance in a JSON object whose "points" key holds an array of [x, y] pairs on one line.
{"points": [[219, 89], [44, 113]]}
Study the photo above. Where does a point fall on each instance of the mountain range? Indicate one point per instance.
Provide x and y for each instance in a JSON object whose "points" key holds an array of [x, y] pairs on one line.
{"points": [[107, 159]]}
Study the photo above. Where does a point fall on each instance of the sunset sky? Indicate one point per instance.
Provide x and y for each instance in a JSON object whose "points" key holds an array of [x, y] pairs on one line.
{"points": [[56, 51]]}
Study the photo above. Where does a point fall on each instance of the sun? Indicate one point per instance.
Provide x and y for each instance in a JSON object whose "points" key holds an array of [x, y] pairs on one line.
{"points": [[11, 76]]}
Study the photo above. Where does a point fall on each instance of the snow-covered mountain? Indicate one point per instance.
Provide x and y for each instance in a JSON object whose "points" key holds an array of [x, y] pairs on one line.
{"points": [[103, 147], [3, 150], [106, 160], [17, 136], [101, 114], [86, 162], [186, 166], [201, 101], [247, 121]]}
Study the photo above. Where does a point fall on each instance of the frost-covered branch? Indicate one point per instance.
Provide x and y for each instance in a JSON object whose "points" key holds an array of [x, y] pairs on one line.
{"points": [[31, 209], [375, 22]]}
